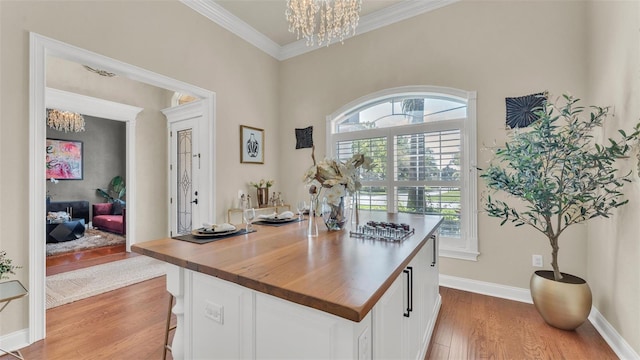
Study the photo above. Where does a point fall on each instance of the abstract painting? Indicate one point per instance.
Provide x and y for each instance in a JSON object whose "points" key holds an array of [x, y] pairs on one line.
{"points": [[521, 110], [304, 138], [64, 159]]}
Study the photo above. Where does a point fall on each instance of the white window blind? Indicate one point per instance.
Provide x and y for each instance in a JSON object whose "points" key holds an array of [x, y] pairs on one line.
{"points": [[424, 151]]}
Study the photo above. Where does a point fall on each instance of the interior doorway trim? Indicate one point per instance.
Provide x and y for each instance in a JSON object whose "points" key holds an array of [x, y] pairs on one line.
{"points": [[40, 48], [87, 105], [91, 106]]}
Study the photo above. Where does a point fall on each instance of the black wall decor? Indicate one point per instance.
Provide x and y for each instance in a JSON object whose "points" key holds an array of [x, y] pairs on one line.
{"points": [[304, 138], [520, 110]]}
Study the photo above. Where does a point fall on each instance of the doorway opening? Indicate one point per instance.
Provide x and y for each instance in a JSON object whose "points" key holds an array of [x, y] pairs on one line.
{"points": [[41, 48]]}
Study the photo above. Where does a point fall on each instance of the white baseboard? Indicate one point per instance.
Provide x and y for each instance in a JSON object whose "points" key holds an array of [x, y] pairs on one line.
{"points": [[14, 341], [486, 288], [617, 343]]}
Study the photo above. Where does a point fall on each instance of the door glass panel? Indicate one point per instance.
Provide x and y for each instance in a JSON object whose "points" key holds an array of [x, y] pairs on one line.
{"points": [[184, 181]]}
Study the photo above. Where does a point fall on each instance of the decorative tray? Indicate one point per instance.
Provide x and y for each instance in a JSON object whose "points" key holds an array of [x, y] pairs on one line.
{"points": [[382, 231]]}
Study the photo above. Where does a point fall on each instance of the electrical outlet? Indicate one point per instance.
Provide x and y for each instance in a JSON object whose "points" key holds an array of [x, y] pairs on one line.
{"points": [[536, 260], [214, 312]]}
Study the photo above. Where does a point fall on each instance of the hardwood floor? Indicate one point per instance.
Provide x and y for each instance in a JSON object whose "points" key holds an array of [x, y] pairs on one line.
{"points": [[80, 259], [474, 326], [129, 323]]}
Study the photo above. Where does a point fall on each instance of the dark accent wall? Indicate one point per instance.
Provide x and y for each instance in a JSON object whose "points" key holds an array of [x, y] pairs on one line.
{"points": [[104, 156]]}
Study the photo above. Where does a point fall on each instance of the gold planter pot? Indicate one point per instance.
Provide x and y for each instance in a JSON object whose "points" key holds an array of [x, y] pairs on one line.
{"points": [[562, 304]]}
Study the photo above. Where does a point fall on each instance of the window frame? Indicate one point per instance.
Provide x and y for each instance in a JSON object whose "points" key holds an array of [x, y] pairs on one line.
{"points": [[466, 247]]}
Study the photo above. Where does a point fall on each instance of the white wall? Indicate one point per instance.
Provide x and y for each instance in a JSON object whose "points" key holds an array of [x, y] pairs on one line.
{"points": [[166, 37], [495, 48], [614, 80]]}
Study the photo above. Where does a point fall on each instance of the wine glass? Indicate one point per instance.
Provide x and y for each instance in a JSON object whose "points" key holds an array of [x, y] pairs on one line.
{"points": [[301, 206], [249, 215]]}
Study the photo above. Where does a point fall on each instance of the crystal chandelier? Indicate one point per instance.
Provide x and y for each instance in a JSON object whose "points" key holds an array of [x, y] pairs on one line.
{"points": [[65, 121], [323, 19]]}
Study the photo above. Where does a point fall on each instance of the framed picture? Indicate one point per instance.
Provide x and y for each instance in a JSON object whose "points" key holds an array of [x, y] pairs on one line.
{"points": [[64, 159], [251, 145], [521, 111]]}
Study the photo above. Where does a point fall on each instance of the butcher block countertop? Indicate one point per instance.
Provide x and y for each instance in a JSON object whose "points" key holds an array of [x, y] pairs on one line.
{"points": [[333, 272]]}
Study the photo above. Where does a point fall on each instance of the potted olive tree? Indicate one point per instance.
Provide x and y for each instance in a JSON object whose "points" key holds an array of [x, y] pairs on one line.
{"points": [[558, 176]]}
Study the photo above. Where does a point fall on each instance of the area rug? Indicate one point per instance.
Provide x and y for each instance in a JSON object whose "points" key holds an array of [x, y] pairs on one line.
{"points": [[92, 239], [79, 284]]}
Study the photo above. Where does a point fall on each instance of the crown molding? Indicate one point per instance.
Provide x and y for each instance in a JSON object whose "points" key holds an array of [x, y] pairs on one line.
{"points": [[222, 17], [381, 18]]}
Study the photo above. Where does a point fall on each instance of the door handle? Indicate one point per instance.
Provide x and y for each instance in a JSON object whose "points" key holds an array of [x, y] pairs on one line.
{"points": [[435, 248], [195, 201], [406, 313], [410, 288]]}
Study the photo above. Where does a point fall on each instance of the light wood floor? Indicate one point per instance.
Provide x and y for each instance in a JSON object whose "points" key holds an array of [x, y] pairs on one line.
{"points": [[129, 323], [473, 326]]}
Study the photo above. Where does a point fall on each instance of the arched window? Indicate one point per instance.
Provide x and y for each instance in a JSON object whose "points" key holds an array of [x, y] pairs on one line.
{"points": [[423, 142]]}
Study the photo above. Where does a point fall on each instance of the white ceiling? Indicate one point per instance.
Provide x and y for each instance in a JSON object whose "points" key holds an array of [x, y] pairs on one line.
{"points": [[267, 16], [263, 23]]}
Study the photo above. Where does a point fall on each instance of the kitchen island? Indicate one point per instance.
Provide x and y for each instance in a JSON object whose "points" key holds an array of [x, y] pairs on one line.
{"points": [[276, 293]]}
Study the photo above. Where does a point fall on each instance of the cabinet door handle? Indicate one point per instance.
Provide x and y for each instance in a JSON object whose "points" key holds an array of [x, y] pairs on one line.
{"points": [[410, 288], [435, 249], [406, 313]]}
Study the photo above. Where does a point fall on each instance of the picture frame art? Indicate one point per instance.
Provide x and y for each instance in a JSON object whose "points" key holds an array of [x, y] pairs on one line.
{"points": [[521, 110], [64, 159], [304, 138], [251, 145]]}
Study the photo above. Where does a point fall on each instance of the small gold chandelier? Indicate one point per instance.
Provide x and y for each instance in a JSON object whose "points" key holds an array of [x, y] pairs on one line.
{"points": [[324, 19], [65, 121]]}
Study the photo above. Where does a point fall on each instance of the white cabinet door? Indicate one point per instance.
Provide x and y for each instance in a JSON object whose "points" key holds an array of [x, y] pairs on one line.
{"points": [[432, 277], [389, 324], [221, 319], [418, 315], [402, 316]]}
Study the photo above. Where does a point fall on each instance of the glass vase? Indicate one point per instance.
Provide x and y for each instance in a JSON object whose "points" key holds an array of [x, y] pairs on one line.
{"points": [[335, 216], [354, 211], [312, 229]]}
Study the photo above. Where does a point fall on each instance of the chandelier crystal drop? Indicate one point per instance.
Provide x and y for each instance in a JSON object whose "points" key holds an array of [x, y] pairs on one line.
{"points": [[323, 20], [65, 121]]}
